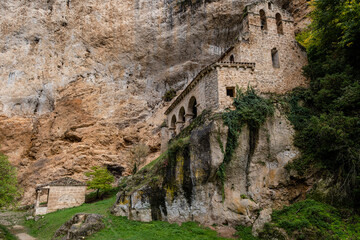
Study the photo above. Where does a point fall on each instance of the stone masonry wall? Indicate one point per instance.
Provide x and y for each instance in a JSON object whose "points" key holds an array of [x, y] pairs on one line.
{"points": [[232, 77], [65, 197], [257, 48]]}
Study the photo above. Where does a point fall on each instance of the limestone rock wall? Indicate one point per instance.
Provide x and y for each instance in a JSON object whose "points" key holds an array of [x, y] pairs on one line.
{"points": [[256, 180], [82, 81]]}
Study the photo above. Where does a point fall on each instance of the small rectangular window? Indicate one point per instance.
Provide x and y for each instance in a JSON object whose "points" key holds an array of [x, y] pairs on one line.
{"points": [[230, 91]]}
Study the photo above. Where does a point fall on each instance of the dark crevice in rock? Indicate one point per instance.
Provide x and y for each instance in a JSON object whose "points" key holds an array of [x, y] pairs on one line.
{"points": [[157, 203], [72, 137], [187, 184], [253, 139]]}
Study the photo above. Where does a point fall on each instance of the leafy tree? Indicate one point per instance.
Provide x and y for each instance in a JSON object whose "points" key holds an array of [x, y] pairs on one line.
{"points": [[9, 189], [329, 132], [138, 152], [101, 179]]}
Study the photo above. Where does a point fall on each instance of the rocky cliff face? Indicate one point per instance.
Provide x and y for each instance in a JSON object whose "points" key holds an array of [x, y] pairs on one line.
{"points": [[183, 185], [82, 81]]}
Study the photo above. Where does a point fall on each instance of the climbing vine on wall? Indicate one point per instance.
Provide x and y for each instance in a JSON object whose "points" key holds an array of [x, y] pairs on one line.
{"points": [[251, 110]]}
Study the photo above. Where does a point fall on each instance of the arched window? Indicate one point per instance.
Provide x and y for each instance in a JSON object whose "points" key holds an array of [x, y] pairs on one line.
{"points": [[279, 24], [275, 58], [192, 108], [181, 114], [232, 59], [263, 21], [173, 122], [270, 5]]}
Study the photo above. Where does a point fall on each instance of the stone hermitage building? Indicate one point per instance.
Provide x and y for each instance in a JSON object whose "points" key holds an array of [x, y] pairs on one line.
{"points": [[62, 193], [265, 56]]}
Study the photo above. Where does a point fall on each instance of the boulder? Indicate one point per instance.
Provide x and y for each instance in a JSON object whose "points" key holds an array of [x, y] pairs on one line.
{"points": [[79, 227]]}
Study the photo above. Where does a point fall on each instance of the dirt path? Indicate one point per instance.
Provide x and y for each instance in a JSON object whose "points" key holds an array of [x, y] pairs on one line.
{"points": [[13, 221], [20, 232]]}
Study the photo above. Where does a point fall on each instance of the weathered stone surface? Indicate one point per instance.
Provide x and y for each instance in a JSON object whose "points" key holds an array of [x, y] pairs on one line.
{"points": [[82, 81], [264, 217], [79, 227], [188, 184]]}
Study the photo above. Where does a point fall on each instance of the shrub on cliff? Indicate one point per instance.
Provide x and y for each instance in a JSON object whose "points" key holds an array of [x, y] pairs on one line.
{"points": [[9, 189]]}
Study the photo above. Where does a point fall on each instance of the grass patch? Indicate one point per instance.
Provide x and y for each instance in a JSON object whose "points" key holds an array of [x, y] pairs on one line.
{"points": [[310, 219], [121, 228], [118, 227], [244, 233], [5, 234]]}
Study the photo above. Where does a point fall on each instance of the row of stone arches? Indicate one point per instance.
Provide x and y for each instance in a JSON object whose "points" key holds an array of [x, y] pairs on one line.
{"points": [[279, 22], [184, 116]]}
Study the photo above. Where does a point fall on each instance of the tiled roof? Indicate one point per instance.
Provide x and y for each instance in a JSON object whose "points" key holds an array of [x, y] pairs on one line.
{"points": [[66, 181]]}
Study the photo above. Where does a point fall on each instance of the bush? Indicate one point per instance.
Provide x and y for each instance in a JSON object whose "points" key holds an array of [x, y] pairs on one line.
{"points": [[310, 219]]}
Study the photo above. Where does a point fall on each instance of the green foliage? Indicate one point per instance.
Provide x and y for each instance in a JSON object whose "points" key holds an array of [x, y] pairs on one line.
{"points": [[310, 219], [245, 233], [9, 190], [5, 234], [251, 110], [327, 116], [118, 227], [92, 197], [169, 95], [101, 179]]}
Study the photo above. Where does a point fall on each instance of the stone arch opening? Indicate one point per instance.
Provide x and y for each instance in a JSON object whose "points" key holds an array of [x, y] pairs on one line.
{"points": [[263, 20], [275, 58], [181, 116], [270, 5], [279, 24], [232, 58], [192, 107], [173, 122]]}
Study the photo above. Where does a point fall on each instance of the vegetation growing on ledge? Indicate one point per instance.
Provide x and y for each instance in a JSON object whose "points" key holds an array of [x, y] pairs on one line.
{"points": [[169, 95], [309, 220], [327, 115], [251, 110]]}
